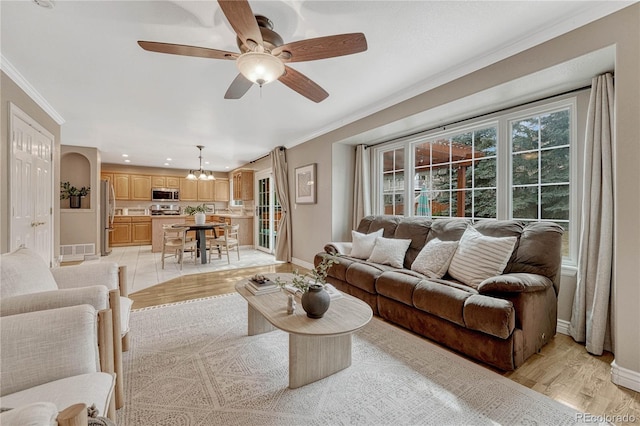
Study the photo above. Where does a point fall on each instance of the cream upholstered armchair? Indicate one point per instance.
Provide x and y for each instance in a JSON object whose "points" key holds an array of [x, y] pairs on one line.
{"points": [[61, 356], [45, 413], [27, 284]]}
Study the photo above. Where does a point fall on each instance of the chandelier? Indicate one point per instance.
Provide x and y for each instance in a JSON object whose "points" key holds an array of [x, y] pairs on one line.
{"points": [[200, 174]]}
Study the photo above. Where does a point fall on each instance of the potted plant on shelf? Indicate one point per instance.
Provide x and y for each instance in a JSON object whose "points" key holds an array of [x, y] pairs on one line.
{"points": [[198, 212], [73, 194]]}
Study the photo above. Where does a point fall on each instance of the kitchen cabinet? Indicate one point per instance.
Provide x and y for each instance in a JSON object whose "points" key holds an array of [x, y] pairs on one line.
{"points": [[206, 189], [158, 182], [107, 176], [140, 187], [141, 230], [243, 185], [172, 182], [130, 231], [188, 190], [121, 186], [121, 233], [221, 192]]}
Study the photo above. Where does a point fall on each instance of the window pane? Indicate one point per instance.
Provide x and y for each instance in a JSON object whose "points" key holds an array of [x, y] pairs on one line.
{"points": [[423, 154], [440, 206], [484, 201], [524, 134], [440, 151], [486, 141], [525, 168], [554, 200], [554, 165], [485, 173], [440, 178], [525, 202], [554, 129]]}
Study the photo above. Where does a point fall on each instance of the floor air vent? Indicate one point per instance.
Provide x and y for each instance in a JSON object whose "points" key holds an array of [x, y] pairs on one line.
{"points": [[77, 251]]}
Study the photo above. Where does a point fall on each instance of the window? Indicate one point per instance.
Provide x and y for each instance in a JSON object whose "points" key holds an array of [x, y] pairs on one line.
{"points": [[455, 176], [514, 166]]}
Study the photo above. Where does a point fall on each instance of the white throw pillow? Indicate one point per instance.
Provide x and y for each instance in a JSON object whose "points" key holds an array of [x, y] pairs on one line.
{"points": [[434, 258], [389, 251], [362, 245], [479, 257]]}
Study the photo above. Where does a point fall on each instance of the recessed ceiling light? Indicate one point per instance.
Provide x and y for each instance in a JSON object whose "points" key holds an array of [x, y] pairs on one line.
{"points": [[206, 162], [47, 4], [168, 159], [166, 164], [125, 155], [127, 161], [226, 167]]}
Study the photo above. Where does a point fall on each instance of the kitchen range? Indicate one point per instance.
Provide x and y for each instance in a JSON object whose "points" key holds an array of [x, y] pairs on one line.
{"points": [[164, 209]]}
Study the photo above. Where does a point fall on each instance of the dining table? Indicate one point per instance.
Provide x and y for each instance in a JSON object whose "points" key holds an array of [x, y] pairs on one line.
{"points": [[201, 236]]}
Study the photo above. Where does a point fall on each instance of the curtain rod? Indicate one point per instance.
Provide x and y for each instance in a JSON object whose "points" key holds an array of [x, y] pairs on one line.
{"points": [[282, 148], [444, 126]]}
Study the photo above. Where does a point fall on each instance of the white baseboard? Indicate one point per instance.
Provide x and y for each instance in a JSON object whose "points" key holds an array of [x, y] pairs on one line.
{"points": [[562, 327], [301, 263], [623, 377]]}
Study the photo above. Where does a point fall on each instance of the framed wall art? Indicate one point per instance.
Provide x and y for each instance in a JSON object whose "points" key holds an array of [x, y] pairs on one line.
{"points": [[306, 184]]}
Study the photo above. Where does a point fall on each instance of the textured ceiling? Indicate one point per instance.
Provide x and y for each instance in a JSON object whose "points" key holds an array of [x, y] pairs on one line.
{"points": [[83, 59]]}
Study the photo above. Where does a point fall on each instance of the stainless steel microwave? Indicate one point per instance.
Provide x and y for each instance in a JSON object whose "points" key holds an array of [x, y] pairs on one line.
{"points": [[165, 194]]}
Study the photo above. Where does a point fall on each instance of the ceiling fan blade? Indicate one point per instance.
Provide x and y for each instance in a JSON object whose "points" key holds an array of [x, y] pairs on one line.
{"points": [[238, 87], [321, 47], [181, 49], [240, 16], [302, 84]]}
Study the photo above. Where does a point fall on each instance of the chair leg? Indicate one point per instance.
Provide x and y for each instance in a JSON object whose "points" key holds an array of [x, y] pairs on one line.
{"points": [[238, 251]]}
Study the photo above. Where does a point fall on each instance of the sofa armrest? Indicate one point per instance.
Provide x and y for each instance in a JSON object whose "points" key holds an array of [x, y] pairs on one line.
{"points": [[514, 283], [341, 248], [96, 296], [88, 274]]}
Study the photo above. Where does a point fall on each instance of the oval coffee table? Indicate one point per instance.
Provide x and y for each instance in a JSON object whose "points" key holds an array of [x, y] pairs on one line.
{"points": [[318, 348]]}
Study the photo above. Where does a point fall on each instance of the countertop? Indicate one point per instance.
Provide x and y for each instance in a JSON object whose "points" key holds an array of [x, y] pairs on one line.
{"points": [[168, 216]]}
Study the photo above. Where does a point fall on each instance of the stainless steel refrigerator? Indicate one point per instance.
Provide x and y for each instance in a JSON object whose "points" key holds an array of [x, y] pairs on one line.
{"points": [[107, 212]]}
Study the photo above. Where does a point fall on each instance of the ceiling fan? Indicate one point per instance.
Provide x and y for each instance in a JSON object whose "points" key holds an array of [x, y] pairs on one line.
{"points": [[264, 55]]}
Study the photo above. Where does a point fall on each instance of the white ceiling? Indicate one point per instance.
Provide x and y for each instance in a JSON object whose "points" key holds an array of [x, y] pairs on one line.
{"points": [[82, 58]]}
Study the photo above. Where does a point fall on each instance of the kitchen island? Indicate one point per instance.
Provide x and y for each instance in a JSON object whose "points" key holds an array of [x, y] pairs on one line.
{"points": [[245, 234]]}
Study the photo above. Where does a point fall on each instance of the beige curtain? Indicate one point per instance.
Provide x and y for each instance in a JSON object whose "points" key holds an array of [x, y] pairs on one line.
{"points": [[591, 304], [362, 187], [283, 239]]}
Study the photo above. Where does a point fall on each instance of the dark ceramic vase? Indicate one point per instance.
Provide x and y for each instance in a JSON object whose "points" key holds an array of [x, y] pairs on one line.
{"points": [[74, 201], [315, 301]]}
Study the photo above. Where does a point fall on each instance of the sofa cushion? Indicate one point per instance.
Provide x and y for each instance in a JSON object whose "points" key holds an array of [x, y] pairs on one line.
{"points": [[417, 230], [24, 271], [364, 275], [441, 300], [398, 285], [490, 315], [363, 243], [479, 257], [389, 251], [434, 258]]}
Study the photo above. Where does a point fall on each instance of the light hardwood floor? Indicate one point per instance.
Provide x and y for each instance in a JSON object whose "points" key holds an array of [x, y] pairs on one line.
{"points": [[563, 370]]}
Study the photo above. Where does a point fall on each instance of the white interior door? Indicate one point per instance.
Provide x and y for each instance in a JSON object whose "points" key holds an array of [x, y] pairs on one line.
{"points": [[31, 185]]}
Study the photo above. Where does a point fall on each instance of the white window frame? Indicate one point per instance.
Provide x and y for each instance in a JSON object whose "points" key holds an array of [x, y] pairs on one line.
{"points": [[504, 157]]}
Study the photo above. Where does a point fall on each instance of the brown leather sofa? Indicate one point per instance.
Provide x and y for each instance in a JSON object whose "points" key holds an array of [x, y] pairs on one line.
{"points": [[503, 322]]}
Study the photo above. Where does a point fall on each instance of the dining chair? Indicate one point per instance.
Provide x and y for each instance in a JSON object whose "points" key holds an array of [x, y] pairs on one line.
{"points": [[175, 243], [226, 242]]}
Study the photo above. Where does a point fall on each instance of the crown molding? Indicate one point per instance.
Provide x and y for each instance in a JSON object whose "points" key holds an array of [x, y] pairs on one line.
{"points": [[13, 73]]}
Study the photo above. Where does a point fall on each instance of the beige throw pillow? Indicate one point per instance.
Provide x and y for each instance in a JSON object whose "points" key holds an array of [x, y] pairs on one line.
{"points": [[479, 257], [389, 251], [434, 258], [362, 244]]}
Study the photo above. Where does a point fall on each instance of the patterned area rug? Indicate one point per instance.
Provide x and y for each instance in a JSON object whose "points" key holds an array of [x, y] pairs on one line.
{"points": [[193, 364]]}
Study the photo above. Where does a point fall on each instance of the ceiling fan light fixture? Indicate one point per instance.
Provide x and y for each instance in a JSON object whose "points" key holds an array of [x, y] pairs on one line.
{"points": [[260, 68]]}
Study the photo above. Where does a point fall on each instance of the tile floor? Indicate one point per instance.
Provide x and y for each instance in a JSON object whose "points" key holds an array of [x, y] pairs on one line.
{"points": [[144, 268]]}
